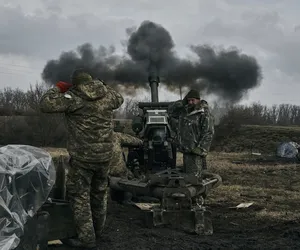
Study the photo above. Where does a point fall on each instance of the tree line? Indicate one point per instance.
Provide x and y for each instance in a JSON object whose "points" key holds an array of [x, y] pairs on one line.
{"points": [[21, 121]]}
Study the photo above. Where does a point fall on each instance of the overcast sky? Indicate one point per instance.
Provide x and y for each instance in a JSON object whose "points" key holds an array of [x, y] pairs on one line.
{"points": [[35, 31]]}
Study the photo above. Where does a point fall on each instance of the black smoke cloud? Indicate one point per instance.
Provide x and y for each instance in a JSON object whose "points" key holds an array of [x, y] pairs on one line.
{"points": [[226, 73]]}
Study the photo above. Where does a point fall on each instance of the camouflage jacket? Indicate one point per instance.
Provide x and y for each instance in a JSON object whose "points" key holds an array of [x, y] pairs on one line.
{"points": [[118, 167], [192, 130], [88, 109]]}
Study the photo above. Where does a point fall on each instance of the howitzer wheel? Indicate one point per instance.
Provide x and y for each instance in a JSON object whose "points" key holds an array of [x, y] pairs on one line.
{"points": [[117, 195], [120, 197]]}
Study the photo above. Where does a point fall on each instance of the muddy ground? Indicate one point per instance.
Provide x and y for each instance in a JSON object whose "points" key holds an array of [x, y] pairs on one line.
{"points": [[272, 222]]}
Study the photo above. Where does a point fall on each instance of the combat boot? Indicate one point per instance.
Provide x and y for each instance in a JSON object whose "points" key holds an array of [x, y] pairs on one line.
{"points": [[127, 198]]}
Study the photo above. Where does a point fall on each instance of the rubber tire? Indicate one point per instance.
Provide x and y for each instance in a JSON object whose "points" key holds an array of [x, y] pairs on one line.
{"points": [[116, 195]]}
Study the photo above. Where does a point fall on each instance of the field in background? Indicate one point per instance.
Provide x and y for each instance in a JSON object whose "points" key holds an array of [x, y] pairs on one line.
{"points": [[264, 139], [272, 222], [246, 138], [233, 138]]}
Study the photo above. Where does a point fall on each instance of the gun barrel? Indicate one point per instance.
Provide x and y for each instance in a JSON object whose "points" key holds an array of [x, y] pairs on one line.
{"points": [[153, 80], [154, 91]]}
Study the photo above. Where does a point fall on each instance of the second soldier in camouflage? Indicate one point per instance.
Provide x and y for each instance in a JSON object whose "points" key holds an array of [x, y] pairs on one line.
{"points": [[193, 125]]}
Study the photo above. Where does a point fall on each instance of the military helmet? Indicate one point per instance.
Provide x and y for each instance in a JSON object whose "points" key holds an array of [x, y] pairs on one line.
{"points": [[79, 75]]}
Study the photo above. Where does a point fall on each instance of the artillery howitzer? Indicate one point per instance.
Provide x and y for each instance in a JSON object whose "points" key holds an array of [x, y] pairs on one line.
{"points": [[157, 176], [34, 209]]}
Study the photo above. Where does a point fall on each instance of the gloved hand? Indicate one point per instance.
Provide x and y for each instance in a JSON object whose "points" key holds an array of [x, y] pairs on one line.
{"points": [[63, 86], [199, 151]]}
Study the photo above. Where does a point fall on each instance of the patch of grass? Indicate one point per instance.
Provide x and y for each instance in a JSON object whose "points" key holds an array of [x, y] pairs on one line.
{"points": [[274, 189], [264, 139]]}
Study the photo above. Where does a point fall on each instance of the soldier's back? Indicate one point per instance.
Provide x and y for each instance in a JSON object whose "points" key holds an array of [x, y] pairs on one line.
{"points": [[90, 124]]}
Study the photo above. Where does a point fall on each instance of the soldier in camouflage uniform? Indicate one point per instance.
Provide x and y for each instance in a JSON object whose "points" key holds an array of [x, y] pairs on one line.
{"points": [[118, 166], [88, 107], [193, 125]]}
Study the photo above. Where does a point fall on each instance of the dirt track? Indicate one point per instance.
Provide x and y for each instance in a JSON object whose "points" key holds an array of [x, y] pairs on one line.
{"points": [[271, 223]]}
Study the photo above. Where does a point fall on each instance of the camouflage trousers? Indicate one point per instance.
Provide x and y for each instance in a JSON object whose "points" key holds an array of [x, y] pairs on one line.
{"points": [[87, 190], [193, 163]]}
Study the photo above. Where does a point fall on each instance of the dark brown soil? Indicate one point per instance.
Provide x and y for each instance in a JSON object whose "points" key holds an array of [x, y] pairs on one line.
{"points": [[232, 230]]}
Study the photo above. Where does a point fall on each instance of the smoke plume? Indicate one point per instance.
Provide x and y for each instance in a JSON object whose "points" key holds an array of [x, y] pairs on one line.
{"points": [[226, 73]]}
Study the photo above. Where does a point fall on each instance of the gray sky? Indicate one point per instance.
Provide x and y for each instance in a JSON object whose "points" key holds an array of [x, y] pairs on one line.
{"points": [[35, 31]]}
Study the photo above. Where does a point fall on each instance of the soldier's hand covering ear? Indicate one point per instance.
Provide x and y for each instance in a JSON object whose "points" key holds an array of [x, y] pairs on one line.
{"points": [[63, 86], [199, 151]]}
